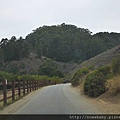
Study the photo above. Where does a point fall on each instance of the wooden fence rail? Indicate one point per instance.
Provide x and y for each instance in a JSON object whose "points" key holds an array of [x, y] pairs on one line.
{"points": [[19, 88]]}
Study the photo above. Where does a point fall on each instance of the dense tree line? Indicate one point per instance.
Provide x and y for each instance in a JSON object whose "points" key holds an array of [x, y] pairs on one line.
{"points": [[69, 43], [13, 49], [59, 42], [50, 69]]}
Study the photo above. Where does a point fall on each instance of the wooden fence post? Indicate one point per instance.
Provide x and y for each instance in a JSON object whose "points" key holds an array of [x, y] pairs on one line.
{"points": [[19, 90], [43, 83], [13, 90], [35, 84], [23, 87], [30, 85], [27, 86], [5, 91], [39, 84]]}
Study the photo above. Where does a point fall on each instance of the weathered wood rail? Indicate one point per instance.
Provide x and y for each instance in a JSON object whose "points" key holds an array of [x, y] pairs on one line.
{"points": [[19, 88]]}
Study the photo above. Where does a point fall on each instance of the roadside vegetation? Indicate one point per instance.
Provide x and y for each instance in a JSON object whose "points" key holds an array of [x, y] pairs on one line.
{"points": [[48, 70], [79, 76], [95, 81], [100, 80], [113, 85], [10, 77]]}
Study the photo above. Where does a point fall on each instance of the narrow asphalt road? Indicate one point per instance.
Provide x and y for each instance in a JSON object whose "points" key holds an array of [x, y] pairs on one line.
{"points": [[58, 99]]}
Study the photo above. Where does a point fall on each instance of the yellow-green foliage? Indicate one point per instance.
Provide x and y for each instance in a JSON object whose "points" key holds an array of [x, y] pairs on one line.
{"points": [[42, 78], [116, 66], [6, 75], [113, 85], [10, 77], [79, 76]]}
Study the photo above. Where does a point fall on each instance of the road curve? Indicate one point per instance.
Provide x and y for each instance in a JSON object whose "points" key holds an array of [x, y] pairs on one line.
{"points": [[58, 99]]}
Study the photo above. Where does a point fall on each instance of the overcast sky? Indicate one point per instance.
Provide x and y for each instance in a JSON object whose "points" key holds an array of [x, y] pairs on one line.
{"points": [[20, 17]]}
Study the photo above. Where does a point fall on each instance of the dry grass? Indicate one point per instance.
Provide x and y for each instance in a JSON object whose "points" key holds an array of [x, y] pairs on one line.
{"points": [[81, 87], [113, 85], [102, 59]]}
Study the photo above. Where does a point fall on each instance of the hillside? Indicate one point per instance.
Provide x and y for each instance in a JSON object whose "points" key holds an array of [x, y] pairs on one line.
{"points": [[62, 43], [69, 43], [66, 45], [102, 59], [101, 83], [32, 64]]}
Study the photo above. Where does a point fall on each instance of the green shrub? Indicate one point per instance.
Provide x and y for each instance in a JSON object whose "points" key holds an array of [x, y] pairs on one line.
{"points": [[55, 79], [12, 68], [95, 81], [10, 77], [116, 66], [49, 68], [6, 75], [79, 75]]}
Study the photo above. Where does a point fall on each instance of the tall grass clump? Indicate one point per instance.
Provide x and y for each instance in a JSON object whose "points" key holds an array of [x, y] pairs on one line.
{"points": [[113, 85]]}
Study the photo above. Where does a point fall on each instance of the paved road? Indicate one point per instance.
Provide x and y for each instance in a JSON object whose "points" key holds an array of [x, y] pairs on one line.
{"points": [[58, 99]]}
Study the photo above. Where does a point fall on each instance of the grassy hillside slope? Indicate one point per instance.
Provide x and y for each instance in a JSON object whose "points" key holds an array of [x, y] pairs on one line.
{"points": [[32, 64], [102, 59], [102, 76]]}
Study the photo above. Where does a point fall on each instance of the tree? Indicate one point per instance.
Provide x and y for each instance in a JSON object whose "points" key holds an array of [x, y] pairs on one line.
{"points": [[50, 69]]}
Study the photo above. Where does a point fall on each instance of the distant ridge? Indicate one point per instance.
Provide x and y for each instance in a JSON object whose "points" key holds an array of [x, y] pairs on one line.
{"points": [[102, 59]]}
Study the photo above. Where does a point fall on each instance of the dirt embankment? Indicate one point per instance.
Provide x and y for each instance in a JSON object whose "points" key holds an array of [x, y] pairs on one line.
{"points": [[108, 103]]}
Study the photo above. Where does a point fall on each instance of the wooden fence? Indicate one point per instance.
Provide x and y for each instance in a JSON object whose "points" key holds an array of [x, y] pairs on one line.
{"points": [[19, 88]]}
